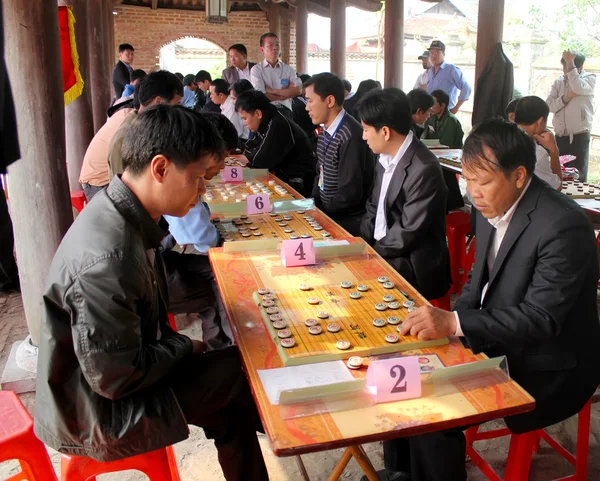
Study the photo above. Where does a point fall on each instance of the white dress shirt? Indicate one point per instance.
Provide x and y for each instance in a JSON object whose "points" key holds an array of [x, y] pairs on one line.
{"points": [[263, 75], [244, 74], [543, 169], [501, 226], [228, 110], [332, 129], [389, 164]]}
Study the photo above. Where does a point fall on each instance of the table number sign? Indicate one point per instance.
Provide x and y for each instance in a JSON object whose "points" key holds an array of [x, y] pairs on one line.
{"points": [[394, 379], [232, 174], [298, 252], [258, 204]]}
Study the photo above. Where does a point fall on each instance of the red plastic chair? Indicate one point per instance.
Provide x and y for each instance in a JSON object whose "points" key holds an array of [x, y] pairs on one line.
{"points": [[159, 465], [522, 447], [17, 441], [172, 322], [442, 302], [458, 226], [78, 200]]}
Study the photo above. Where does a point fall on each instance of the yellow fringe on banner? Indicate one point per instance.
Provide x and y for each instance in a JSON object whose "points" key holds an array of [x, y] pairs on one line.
{"points": [[77, 89]]}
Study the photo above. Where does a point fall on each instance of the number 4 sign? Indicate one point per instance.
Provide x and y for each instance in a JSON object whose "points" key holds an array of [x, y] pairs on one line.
{"points": [[297, 252], [394, 379], [232, 174]]}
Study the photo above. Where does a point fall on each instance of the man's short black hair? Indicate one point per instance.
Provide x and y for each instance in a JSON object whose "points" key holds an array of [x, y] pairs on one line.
{"points": [[179, 75], [252, 100], [326, 84], [241, 86], [500, 143], [125, 46], [161, 84], [178, 133], [264, 36], [386, 108], [530, 109], [189, 79], [221, 86], [347, 85], [225, 128], [441, 97], [420, 100], [579, 60], [304, 77], [202, 76], [137, 74], [240, 48]]}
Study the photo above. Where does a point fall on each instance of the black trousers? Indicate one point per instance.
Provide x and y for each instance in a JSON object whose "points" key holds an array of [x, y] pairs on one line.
{"points": [[579, 148], [214, 394], [8, 267], [438, 456]]}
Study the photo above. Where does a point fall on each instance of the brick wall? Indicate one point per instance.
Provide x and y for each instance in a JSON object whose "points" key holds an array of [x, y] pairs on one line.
{"points": [[149, 30]]}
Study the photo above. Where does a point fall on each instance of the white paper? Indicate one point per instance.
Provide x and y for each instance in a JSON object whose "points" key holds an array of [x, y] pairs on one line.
{"points": [[308, 375], [329, 243], [589, 203]]}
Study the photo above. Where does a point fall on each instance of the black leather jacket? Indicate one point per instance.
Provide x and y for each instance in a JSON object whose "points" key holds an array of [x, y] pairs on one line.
{"points": [[106, 349]]}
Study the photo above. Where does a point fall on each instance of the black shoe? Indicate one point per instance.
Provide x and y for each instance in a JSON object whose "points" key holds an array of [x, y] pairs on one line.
{"points": [[387, 475]]}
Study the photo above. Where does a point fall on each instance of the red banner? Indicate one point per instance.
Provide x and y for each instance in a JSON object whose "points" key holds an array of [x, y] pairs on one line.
{"points": [[72, 81]]}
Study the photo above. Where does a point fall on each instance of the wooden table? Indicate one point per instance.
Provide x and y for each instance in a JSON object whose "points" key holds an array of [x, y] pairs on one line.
{"points": [[239, 274]]}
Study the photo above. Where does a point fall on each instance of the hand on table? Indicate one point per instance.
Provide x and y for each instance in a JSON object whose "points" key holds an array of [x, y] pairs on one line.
{"points": [[199, 347], [428, 323]]}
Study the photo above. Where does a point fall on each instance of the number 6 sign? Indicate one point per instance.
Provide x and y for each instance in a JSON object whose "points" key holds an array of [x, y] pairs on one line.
{"points": [[258, 204], [394, 379], [297, 252], [232, 174]]}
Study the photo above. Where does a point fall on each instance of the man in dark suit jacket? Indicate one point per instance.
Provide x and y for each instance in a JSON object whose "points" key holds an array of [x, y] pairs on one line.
{"points": [[405, 217], [240, 67], [120, 74], [531, 295]]}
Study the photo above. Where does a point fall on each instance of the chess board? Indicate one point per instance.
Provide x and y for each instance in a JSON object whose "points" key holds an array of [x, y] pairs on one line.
{"points": [[580, 190], [285, 314], [450, 157], [289, 225], [231, 192]]}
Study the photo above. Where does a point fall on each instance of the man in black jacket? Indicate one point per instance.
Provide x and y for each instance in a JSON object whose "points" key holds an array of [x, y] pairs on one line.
{"points": [[345, 164], [120, 74], [279, 144], [405, 219], [114, 380], [531, 295]]}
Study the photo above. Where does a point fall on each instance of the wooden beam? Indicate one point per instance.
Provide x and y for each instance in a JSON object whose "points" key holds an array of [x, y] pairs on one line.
{"points": [[154, 4], [318, 9]]}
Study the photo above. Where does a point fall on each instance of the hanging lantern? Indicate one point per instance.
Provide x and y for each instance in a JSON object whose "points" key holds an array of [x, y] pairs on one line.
{"points": [[216, 11]]}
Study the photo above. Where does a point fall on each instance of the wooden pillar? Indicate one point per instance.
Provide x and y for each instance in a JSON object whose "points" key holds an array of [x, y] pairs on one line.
{"points": [[40, 203], [284, 39], [301, 37], [275, 20], [489, 33], [337, 61], [79, 121], [100, 78], [393, 43], [109, 36]]}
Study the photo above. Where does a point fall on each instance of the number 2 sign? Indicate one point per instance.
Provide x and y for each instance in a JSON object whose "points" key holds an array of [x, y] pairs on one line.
{"points": [[258, 204], [297, 252], [232, 174], [394, 379]]}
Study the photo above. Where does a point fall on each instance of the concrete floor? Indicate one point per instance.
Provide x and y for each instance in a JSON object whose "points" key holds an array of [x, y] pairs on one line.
{"points": [[197, 459]]}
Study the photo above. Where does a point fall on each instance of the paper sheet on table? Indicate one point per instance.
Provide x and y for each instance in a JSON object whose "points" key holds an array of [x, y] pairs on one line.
{"points": [[589, 203], [305, 376]]}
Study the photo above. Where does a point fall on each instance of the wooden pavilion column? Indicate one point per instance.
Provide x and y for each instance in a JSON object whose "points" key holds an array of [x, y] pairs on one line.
{"points": [[337, 11], [109, 37], [100, 77], [301, 36], [393, 42], [79, 121], [490, 26], [275, 19], [40, 202]]}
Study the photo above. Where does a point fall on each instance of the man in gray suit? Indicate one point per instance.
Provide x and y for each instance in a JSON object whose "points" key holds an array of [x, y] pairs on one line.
{"points": [[405, 217], [240, 67]]}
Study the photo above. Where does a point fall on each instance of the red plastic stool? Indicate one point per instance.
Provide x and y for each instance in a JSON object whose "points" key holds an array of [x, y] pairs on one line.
{"points": [[522, 447], [442, 302], [458, 226], [78, 200], [172, 322], [159, 465], [17, 441]]}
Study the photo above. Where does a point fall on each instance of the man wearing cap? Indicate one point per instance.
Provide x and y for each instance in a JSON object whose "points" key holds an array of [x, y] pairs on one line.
{"points": [[421, 82], [447, 77], [571, 100]]}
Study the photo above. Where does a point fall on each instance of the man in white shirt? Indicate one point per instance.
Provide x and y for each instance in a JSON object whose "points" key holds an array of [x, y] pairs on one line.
{"points": [[571, 100], [405, 218], [219, 94], [531, 295], [274, 78], [421, 82], [532, 116], [240, 67]]}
